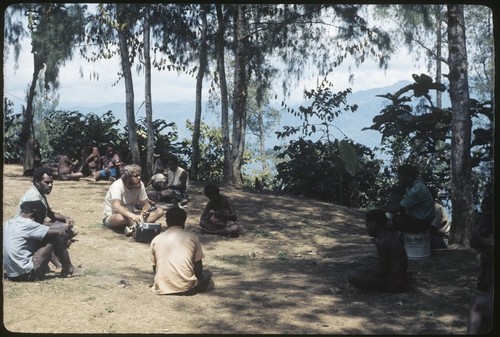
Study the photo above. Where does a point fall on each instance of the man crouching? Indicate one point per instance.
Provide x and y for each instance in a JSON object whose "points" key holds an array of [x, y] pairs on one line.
{"points": [[28, 245]]}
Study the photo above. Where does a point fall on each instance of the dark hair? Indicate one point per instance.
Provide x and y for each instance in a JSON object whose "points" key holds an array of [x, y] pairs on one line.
{"points": [[39, 172], [32, 206], [172, 158], [176, 216], [408, 170], [211, 189], [378, 217]]}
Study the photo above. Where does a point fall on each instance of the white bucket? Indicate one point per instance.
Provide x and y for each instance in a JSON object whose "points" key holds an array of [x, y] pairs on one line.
{"points": [[417, 245]]}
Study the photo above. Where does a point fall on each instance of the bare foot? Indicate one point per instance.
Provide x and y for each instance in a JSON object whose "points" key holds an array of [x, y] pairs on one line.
{"points": [[68, 272]]}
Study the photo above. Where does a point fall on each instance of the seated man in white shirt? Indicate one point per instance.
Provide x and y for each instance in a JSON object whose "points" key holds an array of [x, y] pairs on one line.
{"points": [[121, 199]]}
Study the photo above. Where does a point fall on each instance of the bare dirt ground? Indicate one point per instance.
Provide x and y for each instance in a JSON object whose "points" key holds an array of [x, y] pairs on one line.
{"points": [[285, 275]]}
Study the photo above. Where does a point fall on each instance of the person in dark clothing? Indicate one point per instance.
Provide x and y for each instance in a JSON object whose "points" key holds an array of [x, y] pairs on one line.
{"points": [[390, 274]]}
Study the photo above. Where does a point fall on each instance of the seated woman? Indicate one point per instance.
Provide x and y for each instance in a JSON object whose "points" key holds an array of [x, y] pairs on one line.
{"points": [[219, 216], [390, 274]]}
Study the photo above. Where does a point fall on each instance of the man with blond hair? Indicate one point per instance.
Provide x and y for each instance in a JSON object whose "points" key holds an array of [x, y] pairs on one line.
{"points": [[122, 198]]}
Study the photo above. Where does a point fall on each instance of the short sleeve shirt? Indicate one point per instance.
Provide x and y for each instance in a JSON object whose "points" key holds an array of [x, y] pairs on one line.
{"points": [[128, 197], [21, 237], [174, 253], [33, 195], [419, 201]]}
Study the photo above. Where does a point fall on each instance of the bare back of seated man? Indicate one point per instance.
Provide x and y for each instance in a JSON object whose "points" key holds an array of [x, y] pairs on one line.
{"points": [[219, 216]]}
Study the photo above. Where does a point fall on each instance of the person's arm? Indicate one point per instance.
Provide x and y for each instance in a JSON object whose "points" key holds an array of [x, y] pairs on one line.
{"points": [[63, 218], [205, 215], [198, 268], [118, 208], [58, 229], [228, 211]]}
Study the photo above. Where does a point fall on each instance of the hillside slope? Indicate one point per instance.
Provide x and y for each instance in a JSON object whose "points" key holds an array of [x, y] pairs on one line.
{"points": [[286, 274]]}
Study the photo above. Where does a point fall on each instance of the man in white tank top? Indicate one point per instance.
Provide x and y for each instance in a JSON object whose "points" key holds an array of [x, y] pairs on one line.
{"points": [[175, 188]]}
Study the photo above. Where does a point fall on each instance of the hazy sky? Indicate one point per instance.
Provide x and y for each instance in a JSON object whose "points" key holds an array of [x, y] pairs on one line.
{"points": [[78, 90]]}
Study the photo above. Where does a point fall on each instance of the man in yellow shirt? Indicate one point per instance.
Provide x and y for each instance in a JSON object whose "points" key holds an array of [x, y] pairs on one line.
{"points": [[176, 256]]}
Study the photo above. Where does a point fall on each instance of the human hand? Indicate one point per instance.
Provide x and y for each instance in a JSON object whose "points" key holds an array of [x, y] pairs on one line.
{"points": [[70, 222]]}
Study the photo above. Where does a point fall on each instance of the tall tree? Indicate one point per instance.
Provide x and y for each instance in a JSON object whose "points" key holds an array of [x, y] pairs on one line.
{"points": [[125, 21], [461, 186], [239, 97], [203, 60], [147, 91], [224, 98], [55, 30]]}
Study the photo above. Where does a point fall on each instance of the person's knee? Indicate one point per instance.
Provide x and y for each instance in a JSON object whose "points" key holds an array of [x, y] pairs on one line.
{"points": [[117, 221]]}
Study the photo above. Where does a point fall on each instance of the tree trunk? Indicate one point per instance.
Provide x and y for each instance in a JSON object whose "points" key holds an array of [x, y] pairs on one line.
{"points": [[27, 128], [439, 42], [148, 97], [239, 99], [195, 157], [461, 187], [262, 140], [221, 67], [129, 92]]}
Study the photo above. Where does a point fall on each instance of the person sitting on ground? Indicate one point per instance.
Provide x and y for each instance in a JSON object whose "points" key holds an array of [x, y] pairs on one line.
{"points": [[415, 212], [161, 163], [176, 256], [125, 156], [66, 166], [390, 274], [29, 245], [219, 216], [90, 158], [121, 199], [109, 165], [32, 157], [175, 188], [42, 186]]}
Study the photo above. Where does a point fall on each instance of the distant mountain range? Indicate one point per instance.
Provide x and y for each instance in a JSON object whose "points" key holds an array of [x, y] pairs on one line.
{"points": [[349, 123]]}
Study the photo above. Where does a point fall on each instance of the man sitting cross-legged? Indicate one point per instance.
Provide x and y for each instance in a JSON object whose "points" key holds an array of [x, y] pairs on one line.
{"points": [[219, 215], [390, 275], [28, 245], [176, 256], [121, 199]]}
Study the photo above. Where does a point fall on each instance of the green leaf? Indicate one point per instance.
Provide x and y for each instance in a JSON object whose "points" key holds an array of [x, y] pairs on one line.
{"points": [[349, 157]]}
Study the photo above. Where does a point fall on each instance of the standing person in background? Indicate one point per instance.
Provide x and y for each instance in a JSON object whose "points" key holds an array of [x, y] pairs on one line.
{"points": [[32, 157]]}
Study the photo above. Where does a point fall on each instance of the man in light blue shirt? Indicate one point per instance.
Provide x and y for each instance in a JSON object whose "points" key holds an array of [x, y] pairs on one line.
{"points": [[28, 245]]}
